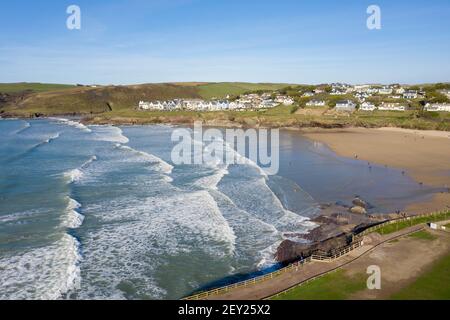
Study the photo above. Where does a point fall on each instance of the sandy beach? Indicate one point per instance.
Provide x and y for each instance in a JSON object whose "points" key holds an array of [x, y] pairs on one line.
{"points": [[423, 155]]}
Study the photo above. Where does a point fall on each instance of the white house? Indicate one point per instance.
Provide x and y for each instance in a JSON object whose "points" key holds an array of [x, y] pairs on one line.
{"points": [[337, 92], [367, 106], [410, 94], [267, 104], [308, 94], [400, 90], [287, 101], [345, 105], [439, 107], [392, 107], [316, 103], [385, 90]]}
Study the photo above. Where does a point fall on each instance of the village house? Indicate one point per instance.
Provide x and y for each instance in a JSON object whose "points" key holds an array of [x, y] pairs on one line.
{"points": [[316, 103], [446, 92], [308, 94], [367, 106], [392, 107], [400, 90], [338, 92], [385, 90], [287, 101], [437, 107], [372, 90], [361, 88], [345, 105], [410, 94]]}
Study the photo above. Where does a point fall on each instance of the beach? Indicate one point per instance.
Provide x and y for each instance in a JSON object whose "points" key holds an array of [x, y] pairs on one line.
{"points": [[423, 155]]}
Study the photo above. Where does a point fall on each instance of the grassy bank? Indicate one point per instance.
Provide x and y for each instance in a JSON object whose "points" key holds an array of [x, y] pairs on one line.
{"points": [[333, 286], [396, 226], [432, 285]]}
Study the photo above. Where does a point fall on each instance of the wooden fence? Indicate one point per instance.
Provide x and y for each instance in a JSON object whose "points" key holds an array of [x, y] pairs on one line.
{"points": [[393, 221], [356, 243], [289, 268]]}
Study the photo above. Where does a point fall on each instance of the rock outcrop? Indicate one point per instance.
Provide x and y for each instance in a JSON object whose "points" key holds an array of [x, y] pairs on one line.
{"points": [[358, 210], [289, 251]]}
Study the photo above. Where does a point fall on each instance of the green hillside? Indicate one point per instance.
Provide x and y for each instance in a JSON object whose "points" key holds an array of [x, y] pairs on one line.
{"points": [[221, 90], [35, 87]]}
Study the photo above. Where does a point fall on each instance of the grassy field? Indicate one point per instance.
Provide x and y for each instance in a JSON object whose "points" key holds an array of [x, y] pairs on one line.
{"points": [[393, 227], [35, 87], [423, 235], [333, 286], [432, 285], [221, 90]]}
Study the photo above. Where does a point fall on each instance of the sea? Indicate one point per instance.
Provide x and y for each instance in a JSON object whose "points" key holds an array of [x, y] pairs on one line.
{"points": [[101, 212]]}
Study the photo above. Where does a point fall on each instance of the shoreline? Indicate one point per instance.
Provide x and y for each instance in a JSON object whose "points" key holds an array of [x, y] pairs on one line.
{"points": [[358, 143], [423, 155]]}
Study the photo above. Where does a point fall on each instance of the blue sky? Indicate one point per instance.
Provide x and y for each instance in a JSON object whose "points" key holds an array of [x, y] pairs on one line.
{"points": [[295, 41]]}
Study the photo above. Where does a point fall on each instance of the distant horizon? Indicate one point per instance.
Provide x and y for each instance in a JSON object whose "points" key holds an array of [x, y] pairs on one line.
{"points": [[213, 82]]}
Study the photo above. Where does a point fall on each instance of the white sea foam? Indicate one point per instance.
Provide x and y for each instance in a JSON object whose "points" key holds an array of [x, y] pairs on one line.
{"points": [[44, 273], [109, 134], [145, 235], [72, 123], [73, 219], [161, 164], [76, 175]]}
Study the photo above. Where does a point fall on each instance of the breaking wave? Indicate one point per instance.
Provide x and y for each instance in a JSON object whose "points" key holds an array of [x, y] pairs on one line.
{"points": [[109, 134], [75, 175], [73, 219], [24, 128], [161, 164], [44, 273], [72, 123]]}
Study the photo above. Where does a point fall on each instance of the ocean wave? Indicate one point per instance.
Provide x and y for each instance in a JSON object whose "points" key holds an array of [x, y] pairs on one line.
{"points": [[75, 175], [24, 128], [38, 145], [72, 123], [161, 164], [146, 235], [73, 219], [109, 134], [44, 273]]}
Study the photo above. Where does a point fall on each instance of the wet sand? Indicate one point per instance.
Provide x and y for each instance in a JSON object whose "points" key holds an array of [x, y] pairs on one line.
{"points": [[423, 155]]}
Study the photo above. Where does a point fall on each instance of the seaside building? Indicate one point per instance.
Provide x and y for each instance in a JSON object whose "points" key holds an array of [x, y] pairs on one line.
{"points": [[400, 90], [385, 90], [392, 107], [246, 102], [337, 92], [367, 106], [316, 103], [287, 101], [410, 94], [345, 105], [438, 107], [308, 94]]}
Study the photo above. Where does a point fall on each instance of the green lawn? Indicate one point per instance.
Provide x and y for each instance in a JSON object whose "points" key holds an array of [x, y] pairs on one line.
{"points": [[333, 286], [433, 285], [390, 228], [36, 87], [423, 235]]}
